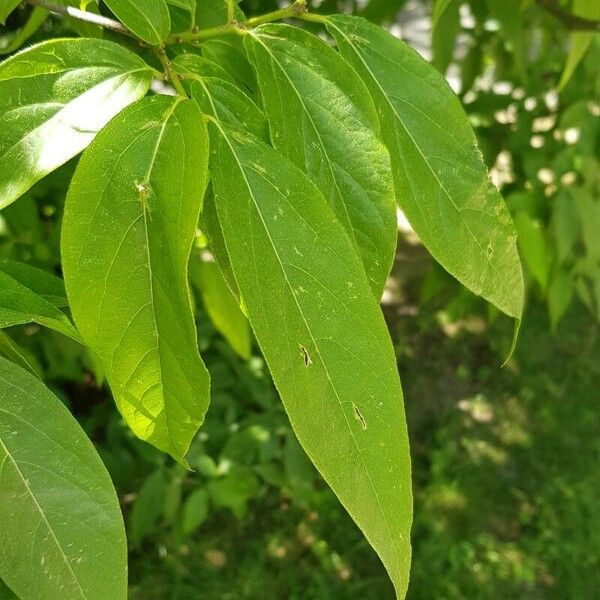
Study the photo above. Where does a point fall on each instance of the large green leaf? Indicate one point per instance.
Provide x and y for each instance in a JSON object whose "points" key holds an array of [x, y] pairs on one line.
{"points": [[20, 304], [149, 20], [322, 334], [129, 224], [61, 528], [441, 180], [323, 119], [54, 98]]}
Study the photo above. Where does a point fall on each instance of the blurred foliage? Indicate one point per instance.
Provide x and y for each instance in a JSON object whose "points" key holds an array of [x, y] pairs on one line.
{"points": [[507, 489]]}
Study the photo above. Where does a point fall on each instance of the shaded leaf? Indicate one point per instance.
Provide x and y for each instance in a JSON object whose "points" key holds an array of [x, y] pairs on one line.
{"points": [[46, 285], [60, 522], [148, 506], [229, 105], [20, 304], [221, 305], [6, 7], [33, 23], [194, 513], [54, 98], [12, 351]]}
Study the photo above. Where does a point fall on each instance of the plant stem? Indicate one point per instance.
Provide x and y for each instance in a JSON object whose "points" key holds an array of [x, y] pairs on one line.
{"points": [[81, 15], [569, 20], [170, 74], [230, 11], [296, 9]]}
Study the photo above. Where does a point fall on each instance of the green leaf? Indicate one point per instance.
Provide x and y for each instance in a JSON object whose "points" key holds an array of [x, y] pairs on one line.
{"points": [[60, 522], [6, 7], [13, 352], [445, 26], [322, 118], [182, 15], [231, 56], [221, 305], [560, 294], [535, 249], [234, 490], [34, 22], [129, 223], [589, 212], [193, 66], [322, 334], [195, 511], [441, 181], [580, 40], [54, 98], [46, 285], [149, 20], [148, 506], [229, 105], [20, 304], [212, 13]]}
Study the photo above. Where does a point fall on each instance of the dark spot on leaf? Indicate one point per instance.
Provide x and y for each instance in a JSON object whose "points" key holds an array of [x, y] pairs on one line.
{"points": [[358, 416], [305, 356]]}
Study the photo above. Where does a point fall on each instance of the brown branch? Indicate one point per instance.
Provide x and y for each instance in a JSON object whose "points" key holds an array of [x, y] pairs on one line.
{"points": [[569, 20]]}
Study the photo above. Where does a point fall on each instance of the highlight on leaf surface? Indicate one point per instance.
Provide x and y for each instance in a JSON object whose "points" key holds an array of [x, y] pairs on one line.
{"points": [[54, 98], [129, 224]]}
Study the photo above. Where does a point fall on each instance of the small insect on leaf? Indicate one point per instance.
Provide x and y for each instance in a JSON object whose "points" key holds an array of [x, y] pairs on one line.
{"points": [[359, 416], [305, 356]]}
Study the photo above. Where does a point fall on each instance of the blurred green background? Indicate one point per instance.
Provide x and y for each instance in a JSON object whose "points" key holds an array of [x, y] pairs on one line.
{"points": [[505, 460]]}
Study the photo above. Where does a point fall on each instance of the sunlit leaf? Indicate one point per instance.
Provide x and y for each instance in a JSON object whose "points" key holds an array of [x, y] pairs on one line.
{"points": [[321, 117], [54, 98], [149, 20], [127, 236]]}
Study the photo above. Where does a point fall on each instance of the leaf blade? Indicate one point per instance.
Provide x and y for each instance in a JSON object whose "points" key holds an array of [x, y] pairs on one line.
{"points": [[54, 98], [149, 20], [322, 334], [441, 181], [322, 118], [127, 282], [35, 426]]}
